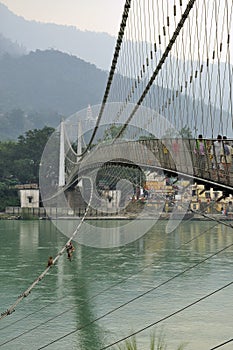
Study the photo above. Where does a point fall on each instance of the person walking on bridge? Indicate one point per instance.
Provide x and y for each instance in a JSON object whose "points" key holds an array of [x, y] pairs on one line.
{"points": [[200, 151], [227, 158], [217, 153]]}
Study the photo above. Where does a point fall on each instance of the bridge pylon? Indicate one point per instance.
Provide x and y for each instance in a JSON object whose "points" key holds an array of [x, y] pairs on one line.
{"points": [[61, 175], [79, 141]]}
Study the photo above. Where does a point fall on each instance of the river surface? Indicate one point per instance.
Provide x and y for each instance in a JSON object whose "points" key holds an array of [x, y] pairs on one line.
{"points": [[75, 302]]}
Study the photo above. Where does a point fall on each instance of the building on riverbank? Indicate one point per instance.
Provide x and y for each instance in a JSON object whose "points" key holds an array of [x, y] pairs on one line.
{"points": [[159, 194], [29, 195]]}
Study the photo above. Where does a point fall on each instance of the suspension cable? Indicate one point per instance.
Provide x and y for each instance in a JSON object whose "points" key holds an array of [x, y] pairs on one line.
{"points": [[108, 288], [123, 280], [167, 317], [111, 73], [222, 344], [137, 297], [11, 309], [160, 64]]}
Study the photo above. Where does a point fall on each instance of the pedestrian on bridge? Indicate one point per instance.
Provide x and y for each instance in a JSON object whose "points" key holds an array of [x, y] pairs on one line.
{"points": [[200, 151], [227, 157], [217, 153]]}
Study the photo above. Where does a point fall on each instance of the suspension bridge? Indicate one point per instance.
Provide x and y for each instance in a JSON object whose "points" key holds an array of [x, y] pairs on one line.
{"points": [[167, 109], [168, 100]]}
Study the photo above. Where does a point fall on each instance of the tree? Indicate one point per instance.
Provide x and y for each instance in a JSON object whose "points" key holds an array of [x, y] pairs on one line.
{"points": [[146, 137], [111, 132], [186, 132], [19, 163], [20, 160], [29, 151], [171, 133], [7, 157], [8, 194]]}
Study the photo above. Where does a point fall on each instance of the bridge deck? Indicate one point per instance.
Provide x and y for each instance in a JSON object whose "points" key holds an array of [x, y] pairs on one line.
{"points": [[212, 165]]}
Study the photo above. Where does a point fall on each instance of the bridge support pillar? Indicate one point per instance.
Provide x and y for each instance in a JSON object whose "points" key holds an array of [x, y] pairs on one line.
{"points": [[61, 175], [75, 200]]}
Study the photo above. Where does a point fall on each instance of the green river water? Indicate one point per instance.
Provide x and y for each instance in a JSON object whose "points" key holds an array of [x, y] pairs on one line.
{"points": [[75, 301]]}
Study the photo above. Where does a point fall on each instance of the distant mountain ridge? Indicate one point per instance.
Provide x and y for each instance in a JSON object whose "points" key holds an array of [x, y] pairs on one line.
{"points": [[90, 46], [43, 87], [8, 47], [40, 88], [49, 80]]}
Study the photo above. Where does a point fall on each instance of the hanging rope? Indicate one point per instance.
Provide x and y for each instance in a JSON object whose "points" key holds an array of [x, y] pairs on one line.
{"points": [[112, 70], [124, 304], [121, 281], [165, 98], [142, 295], [160, 64], [11, 309]]}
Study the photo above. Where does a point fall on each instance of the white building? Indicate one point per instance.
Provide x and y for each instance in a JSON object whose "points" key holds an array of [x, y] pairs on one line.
{"points": [[29, 196]]}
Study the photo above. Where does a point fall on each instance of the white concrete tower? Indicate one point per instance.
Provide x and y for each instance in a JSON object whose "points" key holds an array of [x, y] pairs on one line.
{"points": [[61, 175], [79, 142]]}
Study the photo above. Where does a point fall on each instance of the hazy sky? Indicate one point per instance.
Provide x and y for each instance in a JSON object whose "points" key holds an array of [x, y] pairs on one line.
{"points": [[94, 15]]}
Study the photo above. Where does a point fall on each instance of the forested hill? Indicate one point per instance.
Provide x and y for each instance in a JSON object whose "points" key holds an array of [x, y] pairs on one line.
{"points": [[49, 80], [42, 85]]}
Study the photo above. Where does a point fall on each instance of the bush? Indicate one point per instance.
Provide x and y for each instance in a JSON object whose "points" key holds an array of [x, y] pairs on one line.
{"points": [[160, 344]]}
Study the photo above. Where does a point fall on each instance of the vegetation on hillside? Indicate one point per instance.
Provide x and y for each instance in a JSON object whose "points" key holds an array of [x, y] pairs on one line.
{"points": [[19, 163], [49, 81], [16, 122], [43, 87]]}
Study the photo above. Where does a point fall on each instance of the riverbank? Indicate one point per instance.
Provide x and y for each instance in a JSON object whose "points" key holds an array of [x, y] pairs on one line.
{"points": [[127, 216]]}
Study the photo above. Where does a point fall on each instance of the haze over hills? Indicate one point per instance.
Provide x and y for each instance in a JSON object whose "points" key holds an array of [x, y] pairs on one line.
{"points": [[8, 47], [42, 87], [98, 48], [38, 88], [49, 80], [35, 35]]}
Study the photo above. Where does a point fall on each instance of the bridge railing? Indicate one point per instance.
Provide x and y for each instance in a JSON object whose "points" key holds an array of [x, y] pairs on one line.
{"points": [[206, 159]]}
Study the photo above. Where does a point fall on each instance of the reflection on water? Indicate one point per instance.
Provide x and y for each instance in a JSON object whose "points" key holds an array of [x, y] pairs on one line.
{"points": [[105, 234], [28, 236], [99, 280]]}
